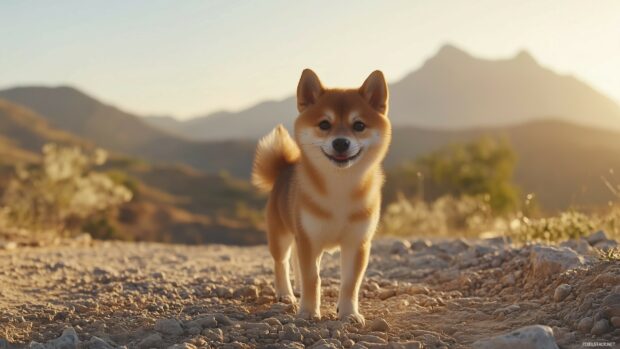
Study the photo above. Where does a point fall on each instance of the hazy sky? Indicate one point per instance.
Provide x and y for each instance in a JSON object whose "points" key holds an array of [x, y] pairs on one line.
{"points": [[187, 58]]}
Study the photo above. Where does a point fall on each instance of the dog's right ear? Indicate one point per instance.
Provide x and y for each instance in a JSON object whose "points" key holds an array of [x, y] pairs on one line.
{"points": [[308, 90]]}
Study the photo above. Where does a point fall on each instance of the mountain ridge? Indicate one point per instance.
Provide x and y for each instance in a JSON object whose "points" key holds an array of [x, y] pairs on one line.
{"points": [[481, 92]]}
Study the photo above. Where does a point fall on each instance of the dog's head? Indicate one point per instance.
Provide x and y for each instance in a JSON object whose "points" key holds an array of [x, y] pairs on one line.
{"points": [[342, 127]]}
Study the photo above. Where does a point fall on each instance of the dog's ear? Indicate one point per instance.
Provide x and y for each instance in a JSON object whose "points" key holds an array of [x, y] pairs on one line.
{"points": [[308, 90], [375, 92]]}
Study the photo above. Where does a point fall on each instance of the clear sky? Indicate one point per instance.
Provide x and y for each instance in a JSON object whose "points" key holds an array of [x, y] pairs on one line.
{"points": [[187, 58]]}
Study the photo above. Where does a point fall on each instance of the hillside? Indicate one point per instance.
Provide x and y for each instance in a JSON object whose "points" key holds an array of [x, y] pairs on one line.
{"points": [[73, 111], [451, 90], [561, 163], [26, 131], [171, 202]]}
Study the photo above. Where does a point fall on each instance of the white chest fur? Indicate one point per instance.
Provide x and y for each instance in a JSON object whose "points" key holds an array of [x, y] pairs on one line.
{"points": [[338, 227]]}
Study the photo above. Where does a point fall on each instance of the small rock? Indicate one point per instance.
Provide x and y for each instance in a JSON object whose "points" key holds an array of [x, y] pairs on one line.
{"points": [[272, 321], [371, 339], [152, 341], [548, 261], [597, 237], [400, 247], [290, 332], [268, 291], [529, 337], [417, 289], [97, 343], [8, 245], [214, 334], [612, 299], [250, 292], [615, 321], [606, 244], [182, 346], [67, 340], [223, 320], [223, 292], [327, 344], [579, 245], [158, 275], [585, 324], [171, 327], [420, 244], [406, 345], [453, 247], [499, 240], [600, 327], [203, 322], [561, 292], [379, 324], [348, 343], [385, 294]]}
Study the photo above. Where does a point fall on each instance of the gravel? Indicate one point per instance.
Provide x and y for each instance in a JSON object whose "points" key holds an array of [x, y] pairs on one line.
{"points": [[416, 294]]}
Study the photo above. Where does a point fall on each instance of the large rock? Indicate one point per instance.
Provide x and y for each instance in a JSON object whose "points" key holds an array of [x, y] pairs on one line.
{"points": [[152, 341], [171, 327], [596, 237], [548, 261], [97, 343], [529, 337], [67, 340]]}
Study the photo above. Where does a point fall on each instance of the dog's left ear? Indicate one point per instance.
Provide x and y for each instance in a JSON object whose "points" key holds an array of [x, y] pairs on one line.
{"points": [[375, 92], [309, 89]]}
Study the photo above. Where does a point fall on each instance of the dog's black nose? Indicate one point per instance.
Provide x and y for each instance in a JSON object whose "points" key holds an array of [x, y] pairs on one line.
{"points": [[341, 144]]}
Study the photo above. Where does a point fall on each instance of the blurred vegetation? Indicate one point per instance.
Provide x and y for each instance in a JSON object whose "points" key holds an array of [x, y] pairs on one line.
{"points": [[62, 193], [467, 189], [481, 168], [69, 190], [609, 255]]}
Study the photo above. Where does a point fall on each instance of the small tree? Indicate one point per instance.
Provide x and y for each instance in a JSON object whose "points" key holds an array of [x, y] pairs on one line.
{"points": [[61, 193], [483, 167]]}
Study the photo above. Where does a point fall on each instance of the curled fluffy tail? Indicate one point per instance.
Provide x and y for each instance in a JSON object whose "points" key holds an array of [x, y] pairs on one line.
{"points": [[274, 153]]}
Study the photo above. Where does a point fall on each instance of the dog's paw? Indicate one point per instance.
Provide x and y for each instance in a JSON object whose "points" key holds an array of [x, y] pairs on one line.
{"points": [[287, 299], [354, 318], [309, 315]]}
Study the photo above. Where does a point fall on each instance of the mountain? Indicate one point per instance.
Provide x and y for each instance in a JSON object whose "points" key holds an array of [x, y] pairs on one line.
{"points": [[247, 124], [451, 90], [73, 111]]}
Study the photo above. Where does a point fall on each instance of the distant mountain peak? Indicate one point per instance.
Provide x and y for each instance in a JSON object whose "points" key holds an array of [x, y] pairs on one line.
{"points": [[524, 56], [451, 51]]}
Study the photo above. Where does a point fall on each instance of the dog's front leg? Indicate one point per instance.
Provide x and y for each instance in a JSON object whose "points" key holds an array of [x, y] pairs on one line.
{"points": [[309, 264], [353, 262]]}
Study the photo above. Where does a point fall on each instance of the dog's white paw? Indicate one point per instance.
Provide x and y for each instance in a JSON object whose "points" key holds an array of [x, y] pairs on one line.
{"points": [[287, 299], [309, 315], [354, 318]]}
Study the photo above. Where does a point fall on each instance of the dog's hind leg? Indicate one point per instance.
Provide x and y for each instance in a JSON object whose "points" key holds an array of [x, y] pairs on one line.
{"points": [[296, 270], [280, 243]]}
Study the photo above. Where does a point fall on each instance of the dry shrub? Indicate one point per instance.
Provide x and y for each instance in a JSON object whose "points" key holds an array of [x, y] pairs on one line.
{"points": [[446, 215], [62, 193]]}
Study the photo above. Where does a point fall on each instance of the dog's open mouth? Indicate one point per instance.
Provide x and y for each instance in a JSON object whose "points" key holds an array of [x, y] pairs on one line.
{"points": [[343, 160]]}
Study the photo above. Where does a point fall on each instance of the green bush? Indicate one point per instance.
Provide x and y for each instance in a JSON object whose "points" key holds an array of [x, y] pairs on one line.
{"points": [[480, 168]]}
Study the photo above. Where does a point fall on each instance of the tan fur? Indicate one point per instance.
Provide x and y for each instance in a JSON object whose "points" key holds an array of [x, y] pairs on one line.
{"points": [[274, 153], [318, 202]]}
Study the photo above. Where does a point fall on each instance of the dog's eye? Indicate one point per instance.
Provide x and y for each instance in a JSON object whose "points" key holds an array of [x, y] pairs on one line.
{"points": [[359, 126], [325, 125]]}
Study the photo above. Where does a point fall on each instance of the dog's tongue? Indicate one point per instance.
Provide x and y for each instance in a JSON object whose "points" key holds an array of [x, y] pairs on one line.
{"points": [[341, 157]]}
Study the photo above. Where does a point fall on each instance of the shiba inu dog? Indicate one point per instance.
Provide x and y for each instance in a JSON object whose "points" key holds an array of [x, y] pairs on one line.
{"points": [[325, 187]]}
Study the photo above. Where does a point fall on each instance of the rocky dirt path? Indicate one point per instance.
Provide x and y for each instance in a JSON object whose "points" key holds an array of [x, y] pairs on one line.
{"points": [[417, 294]]}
